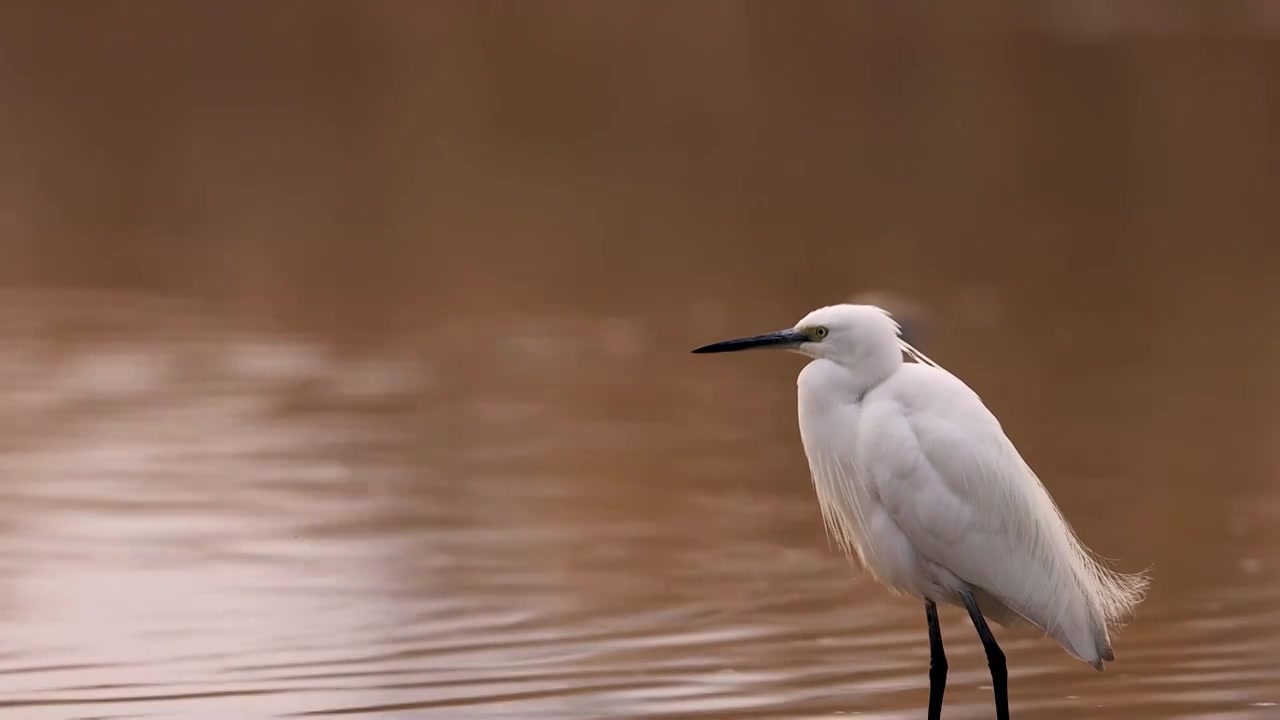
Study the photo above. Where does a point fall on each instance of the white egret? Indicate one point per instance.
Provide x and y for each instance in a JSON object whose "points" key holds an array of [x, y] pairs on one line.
{"points": [[916, 478]]}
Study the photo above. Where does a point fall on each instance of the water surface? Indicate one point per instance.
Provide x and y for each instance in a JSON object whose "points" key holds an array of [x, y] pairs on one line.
{"points": [[202, 520]]}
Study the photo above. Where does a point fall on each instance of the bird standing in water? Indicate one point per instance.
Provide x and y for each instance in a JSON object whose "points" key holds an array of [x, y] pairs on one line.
{"points": [[916, 478]]}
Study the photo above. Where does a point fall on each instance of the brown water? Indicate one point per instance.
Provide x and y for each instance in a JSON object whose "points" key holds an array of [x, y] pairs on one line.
{"points": [[344, 370], [579, 521]]}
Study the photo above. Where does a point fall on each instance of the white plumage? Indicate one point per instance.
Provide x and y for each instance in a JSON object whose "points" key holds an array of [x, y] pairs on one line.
{"points": [[917, 479]]}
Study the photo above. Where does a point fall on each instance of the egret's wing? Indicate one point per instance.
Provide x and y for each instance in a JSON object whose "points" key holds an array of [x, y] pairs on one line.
{"points": [[958, 489]]}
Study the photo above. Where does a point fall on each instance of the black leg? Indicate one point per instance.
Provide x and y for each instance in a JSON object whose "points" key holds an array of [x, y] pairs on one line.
{"points": [[937, 662], [995, 658]]}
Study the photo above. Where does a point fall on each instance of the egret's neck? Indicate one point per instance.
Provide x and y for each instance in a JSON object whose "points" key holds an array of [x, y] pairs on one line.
{"points": [[862, 370]]}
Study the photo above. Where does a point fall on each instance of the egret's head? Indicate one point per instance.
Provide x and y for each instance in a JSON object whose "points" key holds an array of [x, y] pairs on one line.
{"points": [[846, 334]]}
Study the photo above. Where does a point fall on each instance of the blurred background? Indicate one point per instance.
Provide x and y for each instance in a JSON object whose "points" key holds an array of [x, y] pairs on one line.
{"points": [[345, 347]]}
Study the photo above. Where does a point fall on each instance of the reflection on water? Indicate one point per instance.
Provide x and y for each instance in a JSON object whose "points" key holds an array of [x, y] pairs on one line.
{"points": [[200, 520]]}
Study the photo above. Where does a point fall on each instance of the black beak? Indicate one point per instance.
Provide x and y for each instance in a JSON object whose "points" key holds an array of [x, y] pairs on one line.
{"points": [[780, 339]]}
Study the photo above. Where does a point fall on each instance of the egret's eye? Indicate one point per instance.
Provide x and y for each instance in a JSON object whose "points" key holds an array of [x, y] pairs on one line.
{"points": [[819, 332]]}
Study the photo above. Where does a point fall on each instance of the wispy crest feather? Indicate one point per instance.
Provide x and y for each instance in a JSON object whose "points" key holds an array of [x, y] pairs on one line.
{"points": [[907, 347]]}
